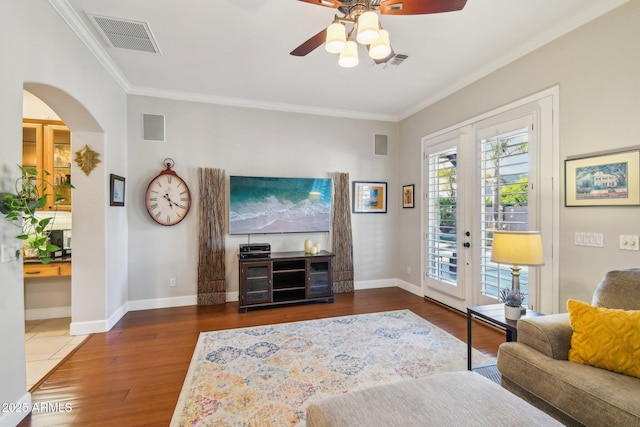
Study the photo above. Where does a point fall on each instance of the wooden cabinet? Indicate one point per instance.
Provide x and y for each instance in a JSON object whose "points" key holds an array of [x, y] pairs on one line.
{"points": [[54, 269], [285, 278], [46, 146]]}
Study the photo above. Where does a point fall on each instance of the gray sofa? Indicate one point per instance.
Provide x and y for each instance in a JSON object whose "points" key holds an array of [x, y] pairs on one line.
{"points": [[537, 368]]}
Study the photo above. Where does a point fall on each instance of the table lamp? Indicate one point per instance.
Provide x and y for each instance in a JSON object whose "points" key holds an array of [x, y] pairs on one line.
{"points": [[517, 248]]}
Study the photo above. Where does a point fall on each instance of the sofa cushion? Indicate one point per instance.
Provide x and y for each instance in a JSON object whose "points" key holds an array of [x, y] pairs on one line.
{"points": [[619, 289], [591, 396], [550, 335], [605, 338], [447, 399]]}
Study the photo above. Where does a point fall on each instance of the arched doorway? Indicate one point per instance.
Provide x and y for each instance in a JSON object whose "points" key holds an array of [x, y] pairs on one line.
{"points": [[83, 295]]}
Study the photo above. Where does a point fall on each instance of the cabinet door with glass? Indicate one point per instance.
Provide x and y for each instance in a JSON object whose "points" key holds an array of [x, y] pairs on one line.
{"points": [[319, 274], [255, 283], [46, 147], [57, 161]]}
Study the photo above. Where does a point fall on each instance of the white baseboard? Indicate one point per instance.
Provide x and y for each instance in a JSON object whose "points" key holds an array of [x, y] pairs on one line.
{"points": [[374, 284], [97, 326], [410, 287], [149, 304], [389, 283], [47, 313], [84, 328], [90, 327], [22, 408]]}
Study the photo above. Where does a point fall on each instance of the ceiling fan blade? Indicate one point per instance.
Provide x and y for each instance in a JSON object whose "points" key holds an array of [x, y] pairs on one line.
{"points": [[419, 7], [334, 4], [311, 44]]}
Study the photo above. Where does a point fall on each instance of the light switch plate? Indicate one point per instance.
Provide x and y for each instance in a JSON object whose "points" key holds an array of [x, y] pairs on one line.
{"points": [[589, 239], [8, 252]]}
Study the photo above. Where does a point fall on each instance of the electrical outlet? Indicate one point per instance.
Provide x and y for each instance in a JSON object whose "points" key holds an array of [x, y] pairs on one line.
{"points": [[629, 242], [172, 282]]}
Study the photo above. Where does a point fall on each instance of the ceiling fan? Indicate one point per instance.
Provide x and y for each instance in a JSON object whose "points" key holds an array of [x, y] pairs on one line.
{"points": [[363, 20]]}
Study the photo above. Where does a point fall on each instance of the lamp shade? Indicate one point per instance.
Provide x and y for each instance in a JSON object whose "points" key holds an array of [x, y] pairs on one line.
{"points": [[380, 48], [336, 39], [368, 27], [349, 56], [517, 248]]}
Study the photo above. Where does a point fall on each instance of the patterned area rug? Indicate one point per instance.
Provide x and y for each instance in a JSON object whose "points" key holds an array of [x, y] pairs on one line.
{"points": [[266, 376]]}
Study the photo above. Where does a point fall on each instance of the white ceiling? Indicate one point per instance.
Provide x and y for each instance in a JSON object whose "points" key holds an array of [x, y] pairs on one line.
{"points": [[236, 52]]}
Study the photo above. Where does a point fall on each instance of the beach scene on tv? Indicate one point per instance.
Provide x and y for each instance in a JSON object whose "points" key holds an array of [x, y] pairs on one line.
{"points": [[279, 205]]}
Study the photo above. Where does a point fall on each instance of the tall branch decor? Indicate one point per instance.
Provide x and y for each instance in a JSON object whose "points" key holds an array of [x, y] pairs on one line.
{"points": [[212, 287], [341, 235]]}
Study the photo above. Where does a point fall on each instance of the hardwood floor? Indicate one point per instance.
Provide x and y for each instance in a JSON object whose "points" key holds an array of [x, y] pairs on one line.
{"points": [[133, 374]]}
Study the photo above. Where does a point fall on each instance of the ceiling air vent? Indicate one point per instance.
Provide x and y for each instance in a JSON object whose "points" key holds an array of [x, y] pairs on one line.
{"points": [[125, 34], [398, 59]]}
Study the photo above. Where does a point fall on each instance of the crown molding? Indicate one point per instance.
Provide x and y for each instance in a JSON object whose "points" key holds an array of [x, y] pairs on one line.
{"points": [[74, 21], [261, 105]]}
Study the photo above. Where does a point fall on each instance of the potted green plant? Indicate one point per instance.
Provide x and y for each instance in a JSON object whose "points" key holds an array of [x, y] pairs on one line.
{"points": [[512, 303], [20, 208]]}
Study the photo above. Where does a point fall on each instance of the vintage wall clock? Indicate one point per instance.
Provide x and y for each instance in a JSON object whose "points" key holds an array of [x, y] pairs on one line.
{"points": [[168, 198]]}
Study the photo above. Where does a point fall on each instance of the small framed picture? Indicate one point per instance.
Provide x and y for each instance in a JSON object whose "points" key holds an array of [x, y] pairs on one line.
{"points": [[603, 180], [117, 190], [369, 197], [407, 196]]}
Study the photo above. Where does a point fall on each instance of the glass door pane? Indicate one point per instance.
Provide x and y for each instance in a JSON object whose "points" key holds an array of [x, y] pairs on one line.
{"points": [[442, 219], [504, 203]]}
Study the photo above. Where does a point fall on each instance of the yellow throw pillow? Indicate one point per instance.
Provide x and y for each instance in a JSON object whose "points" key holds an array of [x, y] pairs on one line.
{"points": [[605, 338]]}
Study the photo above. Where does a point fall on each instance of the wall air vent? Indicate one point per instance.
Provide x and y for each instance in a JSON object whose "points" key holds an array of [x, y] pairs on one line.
{"points": [[125, 34]]}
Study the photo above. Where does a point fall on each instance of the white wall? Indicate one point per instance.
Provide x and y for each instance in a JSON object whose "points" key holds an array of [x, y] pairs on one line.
{"points": [[597, 68], [42, 54], [246, 141]]}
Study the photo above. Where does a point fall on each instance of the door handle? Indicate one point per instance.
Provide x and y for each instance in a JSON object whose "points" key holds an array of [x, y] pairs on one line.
{"points": [[467, 245]]}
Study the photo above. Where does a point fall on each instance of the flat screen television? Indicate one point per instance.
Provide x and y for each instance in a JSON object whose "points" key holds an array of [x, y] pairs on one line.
{"points": [[263, 205]]}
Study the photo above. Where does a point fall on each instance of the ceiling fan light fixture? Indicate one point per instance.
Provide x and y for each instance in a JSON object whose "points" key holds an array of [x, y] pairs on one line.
{"points": [[380, 48], [336, 40], [349, 56], [368, 28]]}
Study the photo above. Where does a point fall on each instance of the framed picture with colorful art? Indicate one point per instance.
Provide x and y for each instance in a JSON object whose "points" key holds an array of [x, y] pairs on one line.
{"points": [[407, 196], [369, 197]]}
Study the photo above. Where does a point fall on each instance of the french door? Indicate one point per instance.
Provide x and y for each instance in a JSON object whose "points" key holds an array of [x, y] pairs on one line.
{"points": [[479, 178]]}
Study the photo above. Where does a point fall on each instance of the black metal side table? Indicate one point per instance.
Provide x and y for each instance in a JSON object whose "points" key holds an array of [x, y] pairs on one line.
{"points": [[494, 314]]}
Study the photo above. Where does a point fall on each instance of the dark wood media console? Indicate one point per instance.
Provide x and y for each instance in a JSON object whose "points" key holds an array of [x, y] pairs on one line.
{"points": [[285, 278]]}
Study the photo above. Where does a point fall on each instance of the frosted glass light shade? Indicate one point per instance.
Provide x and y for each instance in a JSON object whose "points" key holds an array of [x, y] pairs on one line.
{"points": [[336, 39], [517, 248], [380, 48], [368, 27], [349, 56]]}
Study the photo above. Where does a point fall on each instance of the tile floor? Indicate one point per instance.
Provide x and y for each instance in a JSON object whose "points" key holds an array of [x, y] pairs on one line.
{"points": [[47, 342]]}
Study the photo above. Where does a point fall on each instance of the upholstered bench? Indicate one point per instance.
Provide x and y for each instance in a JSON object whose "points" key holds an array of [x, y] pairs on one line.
{"points": [[451, 399]]}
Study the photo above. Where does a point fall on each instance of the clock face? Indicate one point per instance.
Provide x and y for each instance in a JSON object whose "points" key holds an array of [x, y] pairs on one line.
{"points": [[168, 199]]}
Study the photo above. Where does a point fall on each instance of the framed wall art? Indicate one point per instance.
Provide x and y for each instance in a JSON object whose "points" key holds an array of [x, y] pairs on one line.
{"points": [[369, 197], [603, 180], [407, 196], [117, 190]]}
